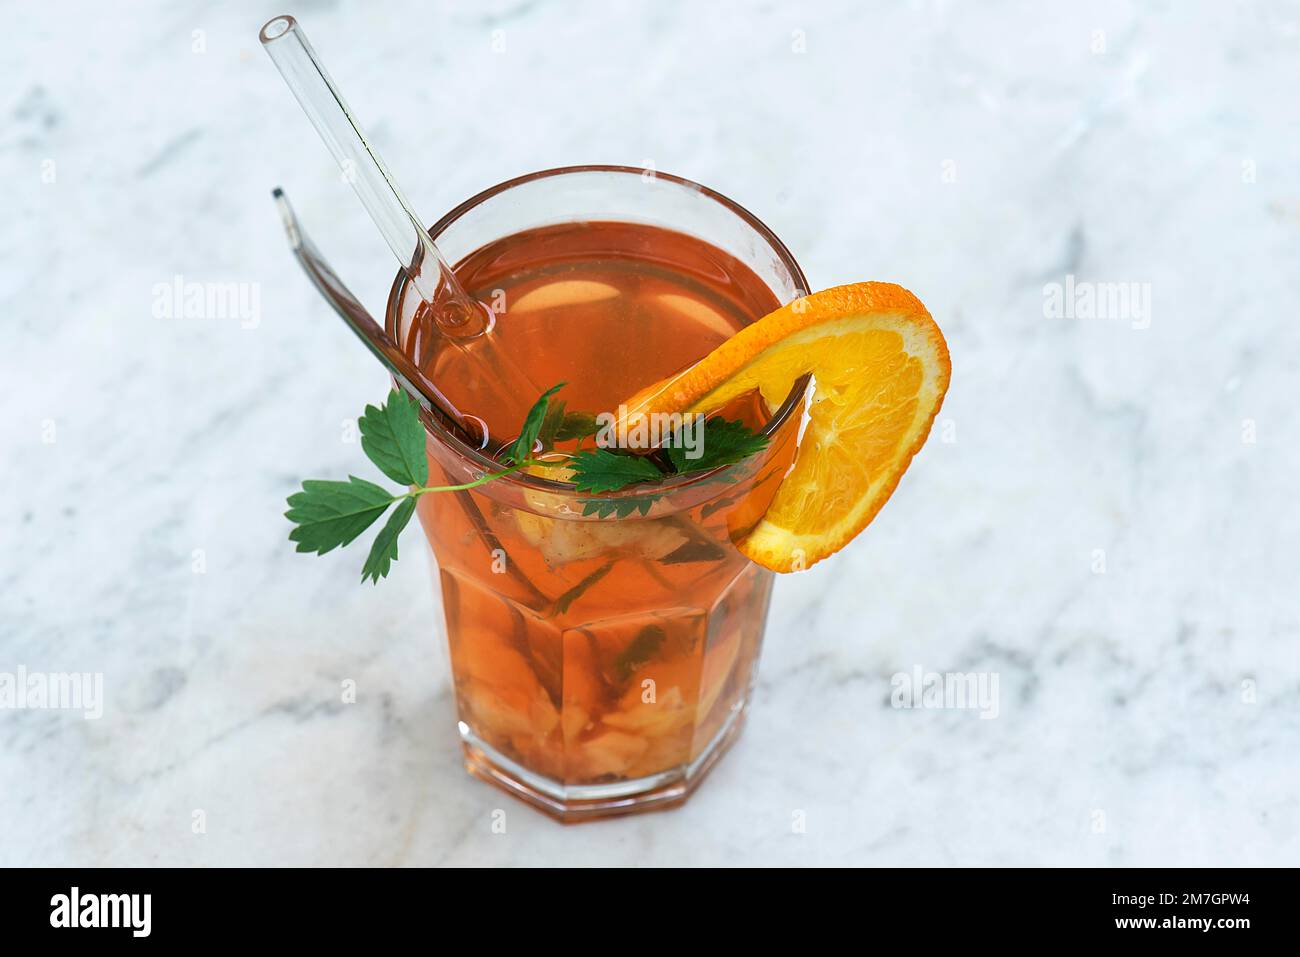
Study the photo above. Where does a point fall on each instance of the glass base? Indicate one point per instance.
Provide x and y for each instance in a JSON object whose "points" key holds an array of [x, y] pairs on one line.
{"points": [[575, 803]]}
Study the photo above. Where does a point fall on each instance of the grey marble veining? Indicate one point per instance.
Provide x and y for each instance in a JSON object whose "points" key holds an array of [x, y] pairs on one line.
{"points": [[1104, 518]]}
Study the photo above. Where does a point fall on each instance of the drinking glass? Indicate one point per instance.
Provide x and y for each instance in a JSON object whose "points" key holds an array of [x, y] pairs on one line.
{"points": [[603, 646]]}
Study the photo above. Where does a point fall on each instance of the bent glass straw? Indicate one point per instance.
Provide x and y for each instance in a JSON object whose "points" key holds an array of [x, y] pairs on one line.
{"points": [[405, 373]]}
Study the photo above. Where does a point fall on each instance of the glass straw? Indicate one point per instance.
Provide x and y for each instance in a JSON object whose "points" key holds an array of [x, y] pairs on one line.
{"points": [[405, 373], [287, 45], [457, 316]]}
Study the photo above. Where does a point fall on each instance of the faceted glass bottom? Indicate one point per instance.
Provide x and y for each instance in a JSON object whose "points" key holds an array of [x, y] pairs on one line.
{"points": [[573, 804]]}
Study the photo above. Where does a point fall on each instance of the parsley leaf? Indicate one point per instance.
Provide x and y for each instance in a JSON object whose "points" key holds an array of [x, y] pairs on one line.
{"points": [[560, 425], [392, 436], [327, 515], [724, 443], [384, 552], [549, 432], [576, 425], [330, 514], [601, 470], [619, 507], [522, 447]]}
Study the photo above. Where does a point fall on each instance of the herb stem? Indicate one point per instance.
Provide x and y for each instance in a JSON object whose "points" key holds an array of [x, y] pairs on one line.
{"points": [[481, 480]]}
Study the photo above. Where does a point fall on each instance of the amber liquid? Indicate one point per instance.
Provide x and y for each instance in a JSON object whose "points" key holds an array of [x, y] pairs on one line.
{"points": [[594, 651]]}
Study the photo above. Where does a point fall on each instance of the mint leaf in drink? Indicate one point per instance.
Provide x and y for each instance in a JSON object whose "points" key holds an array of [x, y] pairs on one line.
{"points": [[601, 470], [522, 447], [393, 438], [384, 552], [724, 443], [330, 514]]}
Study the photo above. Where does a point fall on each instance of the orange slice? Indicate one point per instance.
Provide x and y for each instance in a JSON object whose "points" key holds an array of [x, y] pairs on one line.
{"points": [[881, 369]]}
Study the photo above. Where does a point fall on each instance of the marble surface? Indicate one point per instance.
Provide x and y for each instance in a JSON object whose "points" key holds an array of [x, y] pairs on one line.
{"points": [[1104, 518]]}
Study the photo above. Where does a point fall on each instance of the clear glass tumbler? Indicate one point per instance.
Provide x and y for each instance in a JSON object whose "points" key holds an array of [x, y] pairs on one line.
{"points": [[603, 655]]}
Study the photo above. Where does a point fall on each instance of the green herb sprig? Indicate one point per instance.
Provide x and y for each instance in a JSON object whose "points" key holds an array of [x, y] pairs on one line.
{"points": [[330, 514]]}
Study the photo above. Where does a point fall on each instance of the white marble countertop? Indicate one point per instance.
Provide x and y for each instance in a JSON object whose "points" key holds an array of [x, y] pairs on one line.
{"points": [[1106, 521]]}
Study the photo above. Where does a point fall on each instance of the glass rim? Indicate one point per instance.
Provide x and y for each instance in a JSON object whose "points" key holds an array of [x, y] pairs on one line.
{"points": [[476, 458]]}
